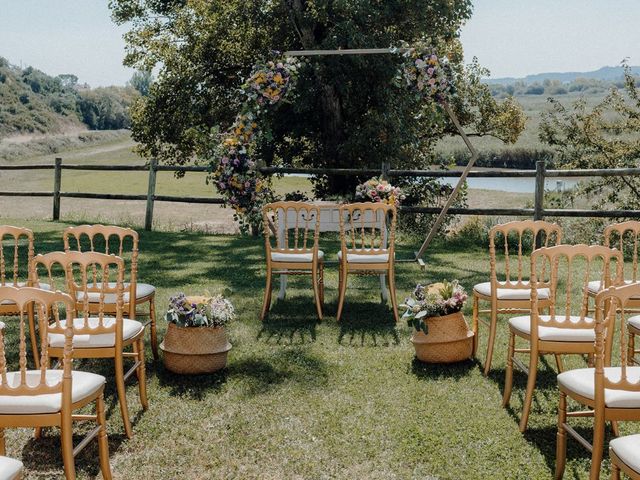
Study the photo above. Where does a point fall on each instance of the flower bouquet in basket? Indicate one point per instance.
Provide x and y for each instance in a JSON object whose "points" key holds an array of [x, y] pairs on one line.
{"points": [[196, 341], [379, 191], [441, 334]]}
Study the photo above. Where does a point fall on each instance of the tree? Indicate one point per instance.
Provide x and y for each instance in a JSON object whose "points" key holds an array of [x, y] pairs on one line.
{"points": [[141, 80], [345, 111], [605, 136]]}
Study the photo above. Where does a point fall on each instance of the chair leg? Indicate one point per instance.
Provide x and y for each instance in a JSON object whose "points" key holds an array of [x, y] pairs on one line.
{"points": [[615, 471], [103, 442], [531, 386], [615, 428], [321, 281], [561, 438], [508, 380], [316, 290], [66, 439], [122, 395], [475, 323], [3, 447], [154, 331], [559, 362], [392, 293], [138, 347], [343, 290], [598, 446], [267, 296], [491, 340]]}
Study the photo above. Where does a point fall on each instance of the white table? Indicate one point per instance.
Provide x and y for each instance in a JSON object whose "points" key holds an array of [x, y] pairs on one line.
{"points": [[329, 222]]}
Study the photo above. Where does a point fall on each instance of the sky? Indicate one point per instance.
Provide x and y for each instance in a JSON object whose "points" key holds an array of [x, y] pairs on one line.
{"points": [[512, 38]]}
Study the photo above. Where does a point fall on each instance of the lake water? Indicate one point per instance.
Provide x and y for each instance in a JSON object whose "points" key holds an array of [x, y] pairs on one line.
{"points": [[517, 185]]}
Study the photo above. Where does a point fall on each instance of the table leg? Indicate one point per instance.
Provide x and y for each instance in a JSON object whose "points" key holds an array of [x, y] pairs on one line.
{"points": [[283, 287], [384, 293]]}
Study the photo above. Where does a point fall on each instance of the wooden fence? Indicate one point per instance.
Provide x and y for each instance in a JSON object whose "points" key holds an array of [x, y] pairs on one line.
{"points": [[538, 212]]}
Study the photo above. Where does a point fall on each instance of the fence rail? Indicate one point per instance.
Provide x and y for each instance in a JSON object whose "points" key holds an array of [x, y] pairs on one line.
{"points": [[538, 212]]}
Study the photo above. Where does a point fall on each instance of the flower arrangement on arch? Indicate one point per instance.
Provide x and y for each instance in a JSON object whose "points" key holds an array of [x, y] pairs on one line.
{"points": [[379, 191], [429, 74], [215, 311], [435, 300], [236, 174]]}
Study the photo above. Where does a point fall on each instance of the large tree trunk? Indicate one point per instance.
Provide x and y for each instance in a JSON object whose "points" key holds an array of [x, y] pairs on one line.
{"points": [[333, 133]]}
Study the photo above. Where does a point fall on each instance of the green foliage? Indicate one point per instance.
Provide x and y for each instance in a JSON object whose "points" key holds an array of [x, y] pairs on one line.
{"points": [[141, 81], [345, 111], [605, 136]]}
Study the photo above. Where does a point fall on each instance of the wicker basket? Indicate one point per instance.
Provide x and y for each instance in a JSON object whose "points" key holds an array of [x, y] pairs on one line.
{"points": [[195, 350], [449, 340]]}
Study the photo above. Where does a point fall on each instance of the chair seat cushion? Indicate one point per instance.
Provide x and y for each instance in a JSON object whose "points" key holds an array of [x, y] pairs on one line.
{"points": [[555, 334], [130, 328], [42, 286], [364, 258], [295, 257], [628, 450], [510, 293], [142, 290], [582, 382], [634, 321], [595, 285], [10, 468], [84, 384]]}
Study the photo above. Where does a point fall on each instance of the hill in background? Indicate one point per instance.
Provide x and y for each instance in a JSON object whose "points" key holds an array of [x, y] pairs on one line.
{"points": [[605, 74], [32, 102]]}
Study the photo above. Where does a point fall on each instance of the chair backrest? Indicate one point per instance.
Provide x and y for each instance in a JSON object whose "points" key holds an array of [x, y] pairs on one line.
{"points": [[624, 237], [570, 269], [291, 227], [49, 307], [97, 238], [611, 311], [368, 229], [518, 239], [10, 253], [90, 278]]}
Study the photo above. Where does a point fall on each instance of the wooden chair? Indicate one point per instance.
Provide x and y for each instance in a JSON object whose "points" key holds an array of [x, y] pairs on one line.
{"points": [[508, 290], [291, 235], [46, 397], [89, 278], [624, 453], [13, 251], [624, 237], [367, 245], [561, 331], [96, 235], [10, 469], [611, 393]]}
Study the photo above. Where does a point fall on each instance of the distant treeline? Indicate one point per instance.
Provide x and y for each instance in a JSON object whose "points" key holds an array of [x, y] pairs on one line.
{"points": [[33, 102], [519, 158], [555, 87]]}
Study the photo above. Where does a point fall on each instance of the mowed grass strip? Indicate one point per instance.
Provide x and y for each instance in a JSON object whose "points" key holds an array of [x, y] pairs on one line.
{"points": [[303, 399]]}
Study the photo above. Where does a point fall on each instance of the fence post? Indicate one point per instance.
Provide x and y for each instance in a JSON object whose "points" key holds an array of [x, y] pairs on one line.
{"points": [[384, 173], [538, 209], [57, 181], [151, 193]]}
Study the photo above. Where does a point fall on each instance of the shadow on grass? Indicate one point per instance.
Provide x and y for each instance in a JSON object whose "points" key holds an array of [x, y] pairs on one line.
{"points": [[44, 455], [430, 371], [195, 387], [260, 375], [286, 329], [368, 323]]}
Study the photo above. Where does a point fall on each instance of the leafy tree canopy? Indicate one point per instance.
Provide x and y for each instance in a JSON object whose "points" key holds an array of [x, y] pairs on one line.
{"points": [[605, 136], [344, 111]]}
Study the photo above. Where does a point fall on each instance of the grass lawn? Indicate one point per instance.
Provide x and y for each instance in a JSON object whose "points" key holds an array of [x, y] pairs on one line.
{"points": [[307, 400]]}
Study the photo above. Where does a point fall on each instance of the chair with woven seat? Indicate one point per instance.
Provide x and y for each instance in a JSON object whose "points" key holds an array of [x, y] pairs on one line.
{"points": [[92, 236], [48, 397], [566, 329], [511, 293], [291, 235], [367, 246], [89, 276], [624, 453], [10, 469], [611, 393]]}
